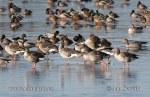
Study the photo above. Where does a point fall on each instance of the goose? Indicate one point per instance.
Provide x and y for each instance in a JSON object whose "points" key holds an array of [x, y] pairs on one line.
{"points": [[124, 57], [132, 29], [94, 57], [47, 47], [82, 48], [133, 44], [33, 56], [92, 42], [4, 61], [67, 52], [13, 49], [78, 38]]}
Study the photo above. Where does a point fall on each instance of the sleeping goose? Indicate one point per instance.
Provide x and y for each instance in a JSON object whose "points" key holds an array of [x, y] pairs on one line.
{"points": [[124, 57]]}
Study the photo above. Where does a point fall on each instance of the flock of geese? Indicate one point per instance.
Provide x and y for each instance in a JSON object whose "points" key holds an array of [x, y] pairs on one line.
{"points": [[94, 49]]}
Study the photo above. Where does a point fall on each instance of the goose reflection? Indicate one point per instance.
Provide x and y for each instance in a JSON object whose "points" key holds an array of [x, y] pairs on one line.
{"points": [[125, 76], [82, 75]]}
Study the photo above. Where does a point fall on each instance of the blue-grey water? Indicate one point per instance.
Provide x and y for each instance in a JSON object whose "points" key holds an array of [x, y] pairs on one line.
{"points": [[55, 78]]}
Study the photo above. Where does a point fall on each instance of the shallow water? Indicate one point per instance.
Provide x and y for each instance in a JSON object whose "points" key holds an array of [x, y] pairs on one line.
{"points": [[59, 79]]}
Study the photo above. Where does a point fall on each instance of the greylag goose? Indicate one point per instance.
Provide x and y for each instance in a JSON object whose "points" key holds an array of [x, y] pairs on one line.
{"points": [[132, 29], [133, 44], [94, 57], [93, 41], [47, 47], [4, 61], [33, 56], [13, 49], [124, 57], [82, 48], [67, 52]]}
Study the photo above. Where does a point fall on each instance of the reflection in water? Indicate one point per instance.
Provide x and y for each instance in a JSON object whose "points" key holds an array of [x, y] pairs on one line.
{"points": [[125, 76], [81, 74]]}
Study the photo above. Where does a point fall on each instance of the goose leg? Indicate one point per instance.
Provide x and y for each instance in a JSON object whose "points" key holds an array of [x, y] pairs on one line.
{"points": [[34, 65], [84, 60], [68, 61], [47, 57], [123, 66], [105, 63], [14, 58]]}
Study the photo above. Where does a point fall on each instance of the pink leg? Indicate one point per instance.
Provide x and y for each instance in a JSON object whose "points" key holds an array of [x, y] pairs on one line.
{"points": [[68, 62], [124, 68], [84, 60], [14, 58], [34, 65], [105, 63], [47, 57], [92, 66]]}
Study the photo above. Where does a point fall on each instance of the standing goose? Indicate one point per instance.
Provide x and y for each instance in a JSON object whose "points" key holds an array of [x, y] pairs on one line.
{"points": [[33, 56], [133, 44], [47, 47], [13, 48], [4, 61], [67, 52], [94, 57], [124, 57]]}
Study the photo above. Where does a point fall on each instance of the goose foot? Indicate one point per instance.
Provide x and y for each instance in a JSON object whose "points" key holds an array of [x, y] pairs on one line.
{"points": [[33, 66]]}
